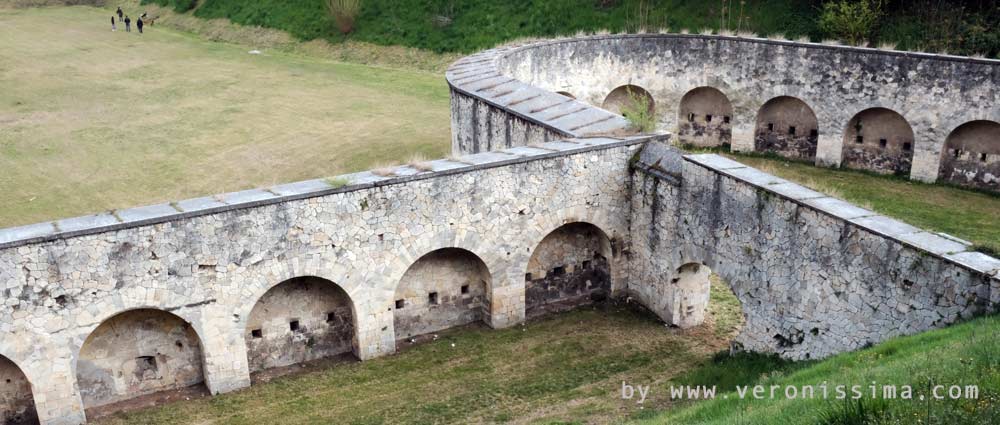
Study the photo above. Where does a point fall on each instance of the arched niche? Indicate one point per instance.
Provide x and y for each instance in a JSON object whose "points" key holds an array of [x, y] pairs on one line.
{"points": [[788, 127], [879, 140], [620, 98], [705, 118], [571, 266], [971, 156], [17, 404], [445, 288], [135, 353], [301, 319]]}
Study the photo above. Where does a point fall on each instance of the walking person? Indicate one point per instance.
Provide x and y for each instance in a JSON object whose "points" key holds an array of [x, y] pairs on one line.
{"points": [[128, 24], [120, 13], [113, 29], [138, 24]]}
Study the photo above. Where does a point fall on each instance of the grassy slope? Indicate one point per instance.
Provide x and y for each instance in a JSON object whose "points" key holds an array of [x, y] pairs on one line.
{"points": [[480, 24], [966, 354], [564, 367], [970, 215], [92, 120], [470, 25]]}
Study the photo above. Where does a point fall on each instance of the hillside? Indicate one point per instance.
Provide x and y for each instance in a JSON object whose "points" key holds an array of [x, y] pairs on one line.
{"points": [[966, 354], [956, 26]]}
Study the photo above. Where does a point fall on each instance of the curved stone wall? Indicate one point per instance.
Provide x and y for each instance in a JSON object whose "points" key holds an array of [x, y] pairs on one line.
{"points": [[935, 94]]}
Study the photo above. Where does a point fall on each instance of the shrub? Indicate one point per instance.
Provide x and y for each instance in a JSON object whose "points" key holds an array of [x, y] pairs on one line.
{"points": [[639, 112], [850, 20], [344, 13], [179, 6]]}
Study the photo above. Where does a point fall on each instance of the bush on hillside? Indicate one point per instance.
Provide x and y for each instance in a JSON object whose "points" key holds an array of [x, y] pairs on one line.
{"points": [[852, 21], [179, 6], [344, 13]]}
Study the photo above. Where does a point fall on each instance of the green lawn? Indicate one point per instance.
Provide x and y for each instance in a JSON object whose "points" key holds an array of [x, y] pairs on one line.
{"points": [[966, 354], [566, 367], [970, 215], [93, 120]]}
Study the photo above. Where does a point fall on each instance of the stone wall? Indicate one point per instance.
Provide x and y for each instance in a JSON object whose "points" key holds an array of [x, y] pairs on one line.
{"points": [[491, 111], [815, 275], [210, 262], [303, 319], [934, 93]]}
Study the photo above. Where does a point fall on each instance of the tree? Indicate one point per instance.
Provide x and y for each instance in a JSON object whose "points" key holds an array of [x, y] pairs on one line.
{"points": [[853, 21]]}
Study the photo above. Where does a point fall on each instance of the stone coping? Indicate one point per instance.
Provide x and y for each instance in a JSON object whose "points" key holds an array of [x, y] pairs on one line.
{"points": [[941, 246], [481, 76], [161, 213]]}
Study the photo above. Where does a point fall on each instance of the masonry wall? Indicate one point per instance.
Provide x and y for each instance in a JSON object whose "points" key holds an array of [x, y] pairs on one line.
{"points": [[815, 276], [935, 94], [210, 267], [478, 127], [303, 319]]}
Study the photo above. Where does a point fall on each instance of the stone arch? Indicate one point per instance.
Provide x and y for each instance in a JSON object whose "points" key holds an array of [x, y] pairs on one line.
{"points": [[705, 118], [444, 288], [17, 403], [619, 98], [138, 352], [971, 155], [879, 140], [567, 94], [787, 126], [571, 266], [298, 320]]}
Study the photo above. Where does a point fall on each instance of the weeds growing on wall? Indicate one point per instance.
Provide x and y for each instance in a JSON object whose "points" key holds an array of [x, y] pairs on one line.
{"points": [[639, 112]]}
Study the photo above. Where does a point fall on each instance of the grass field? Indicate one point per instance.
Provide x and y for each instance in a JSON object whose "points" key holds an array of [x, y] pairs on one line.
{"points": [[93, 120], [565, 368]]}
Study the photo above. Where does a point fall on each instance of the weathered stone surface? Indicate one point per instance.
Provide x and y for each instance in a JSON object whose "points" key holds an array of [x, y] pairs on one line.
{"points": [[210, 265], [814, 277], [756, 91]]}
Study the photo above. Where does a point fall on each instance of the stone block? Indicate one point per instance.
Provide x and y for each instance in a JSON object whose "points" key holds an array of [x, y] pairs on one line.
{"points": [[150, 212], [839, 208], [302, 188], [933, 243], [76, 224], [30, 231], [795, 192], [976, 261], [715, 162], [246, 196], [885, 226]]}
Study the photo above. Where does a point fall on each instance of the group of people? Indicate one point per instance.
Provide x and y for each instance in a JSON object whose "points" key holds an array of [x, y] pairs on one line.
{"points": [[123, 18]]}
